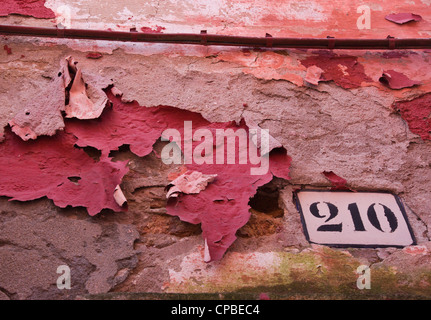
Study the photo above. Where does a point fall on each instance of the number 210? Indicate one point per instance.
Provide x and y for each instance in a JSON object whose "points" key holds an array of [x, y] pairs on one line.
{"points": [[356, 217]]}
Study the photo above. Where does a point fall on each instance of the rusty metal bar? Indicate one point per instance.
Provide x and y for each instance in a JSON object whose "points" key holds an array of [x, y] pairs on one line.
{"points": [[203, 38]]}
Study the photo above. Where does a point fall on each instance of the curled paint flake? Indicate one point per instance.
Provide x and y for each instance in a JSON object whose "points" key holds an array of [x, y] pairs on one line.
{"points": [[116, 92], [396, 80], [417, 114], [207, 255], [53, 167], [337, 182], [313, 75], [85, 100], [24, 131], [401, 18], [189, 183], [119, 196]]}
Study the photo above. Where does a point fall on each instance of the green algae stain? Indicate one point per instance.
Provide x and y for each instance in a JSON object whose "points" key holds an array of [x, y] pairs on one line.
{"points": [[322, 273]]}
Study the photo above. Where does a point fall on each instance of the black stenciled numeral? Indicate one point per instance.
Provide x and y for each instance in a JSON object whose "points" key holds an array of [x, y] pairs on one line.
{"points": [[333, 212], [390, 216], [356, 217]]}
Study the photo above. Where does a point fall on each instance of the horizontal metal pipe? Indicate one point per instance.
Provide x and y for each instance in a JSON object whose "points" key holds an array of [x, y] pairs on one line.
{"points": [[219, 40]]}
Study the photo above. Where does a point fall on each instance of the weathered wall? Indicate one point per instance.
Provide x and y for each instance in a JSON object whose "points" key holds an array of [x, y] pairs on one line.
{"points": [[347, 123]]}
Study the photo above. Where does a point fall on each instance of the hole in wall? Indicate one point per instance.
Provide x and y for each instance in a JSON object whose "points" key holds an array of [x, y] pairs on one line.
{"points": [[123, 149], [266, 200], [92, 152], [266, 214]]}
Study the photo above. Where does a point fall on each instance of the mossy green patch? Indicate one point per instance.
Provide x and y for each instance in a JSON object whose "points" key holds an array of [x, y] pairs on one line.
{"points": [[319, 273]]}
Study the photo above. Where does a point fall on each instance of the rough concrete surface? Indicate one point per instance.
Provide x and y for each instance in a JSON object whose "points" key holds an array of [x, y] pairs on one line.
{"points": [[345, 123]]}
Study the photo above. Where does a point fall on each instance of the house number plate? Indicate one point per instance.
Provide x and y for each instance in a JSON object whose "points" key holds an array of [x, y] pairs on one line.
{"points": [[358, 219]]}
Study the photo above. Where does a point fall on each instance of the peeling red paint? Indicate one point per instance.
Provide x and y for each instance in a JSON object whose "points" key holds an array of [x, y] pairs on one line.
{"points": [[222, 208], [34, 8], [45, 167], [132, 124], [417, 114], [337, 182], [344, 70], [401, 18], [396, 80]]}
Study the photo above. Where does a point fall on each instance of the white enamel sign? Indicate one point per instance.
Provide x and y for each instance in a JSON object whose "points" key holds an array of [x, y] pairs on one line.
{"points": [[369, 219]]}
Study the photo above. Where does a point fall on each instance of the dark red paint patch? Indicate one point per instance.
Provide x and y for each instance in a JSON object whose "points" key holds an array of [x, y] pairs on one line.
{"points": [[34, 8], [94, 55], [337, 182], [156, 29], [344, 70], [396, 80], [53, 167], [401, 18], [7, 49], [417, 114]]}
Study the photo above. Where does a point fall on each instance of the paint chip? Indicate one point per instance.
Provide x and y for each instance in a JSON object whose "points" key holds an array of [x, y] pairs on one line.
{"points": [[401, 18], [119, 197], [85, 100], [337, 182], [313, 75], [344, 70], [191, 182], [397, 80]]}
